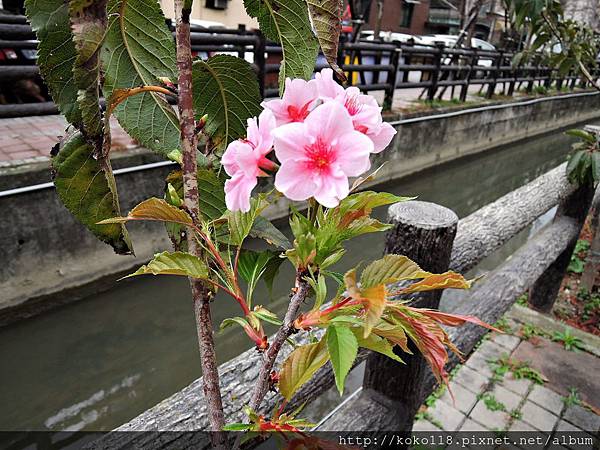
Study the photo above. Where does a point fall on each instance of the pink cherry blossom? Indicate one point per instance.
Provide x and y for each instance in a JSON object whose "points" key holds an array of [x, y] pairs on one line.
{"points": [[245, 159], [318, 155], [366, 118], [327, 87], [298, 99], [364, 110]]}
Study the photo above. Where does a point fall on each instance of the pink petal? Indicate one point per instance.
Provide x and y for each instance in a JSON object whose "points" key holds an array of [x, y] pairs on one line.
{"points": [[299, 92], [290, 141], [247, 160], [229, 159], [279, 109], [266, 125], [294, 181], [329, 121], [382, 137], [353, 150], [237, 192], [252, 133], [334, 187], [327, 87]]}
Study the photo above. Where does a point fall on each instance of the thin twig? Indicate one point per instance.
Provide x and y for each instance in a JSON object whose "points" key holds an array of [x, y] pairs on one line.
{"points": [[285, 331], [201, 294]]}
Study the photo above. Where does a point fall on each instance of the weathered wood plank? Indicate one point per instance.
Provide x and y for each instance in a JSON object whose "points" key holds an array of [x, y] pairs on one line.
{"points": [[488, 228]]}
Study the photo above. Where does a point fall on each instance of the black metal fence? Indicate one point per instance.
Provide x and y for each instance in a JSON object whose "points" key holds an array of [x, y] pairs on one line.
{"points": [[439, 71]]}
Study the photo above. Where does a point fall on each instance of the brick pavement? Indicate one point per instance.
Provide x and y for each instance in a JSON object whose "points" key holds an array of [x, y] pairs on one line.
{"points": [[33, 137], [485, 399]]}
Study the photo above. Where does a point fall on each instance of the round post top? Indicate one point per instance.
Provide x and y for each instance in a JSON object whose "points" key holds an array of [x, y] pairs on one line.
{"points": [[425, 215]]}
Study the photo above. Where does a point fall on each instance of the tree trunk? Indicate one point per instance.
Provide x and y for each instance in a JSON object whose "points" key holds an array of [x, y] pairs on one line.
{"points": [[200, 294]]}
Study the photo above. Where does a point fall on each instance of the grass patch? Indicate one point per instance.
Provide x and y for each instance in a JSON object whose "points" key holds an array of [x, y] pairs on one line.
{"points": [[491, 402], [569, 341], [519, 369]]}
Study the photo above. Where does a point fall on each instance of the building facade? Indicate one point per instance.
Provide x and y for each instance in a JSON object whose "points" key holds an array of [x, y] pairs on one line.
{"points": [[230, 13], [400, 16], [584, 11]]}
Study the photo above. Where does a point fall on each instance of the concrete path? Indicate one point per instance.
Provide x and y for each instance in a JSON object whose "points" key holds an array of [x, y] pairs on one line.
{"points": [[513, 384]]}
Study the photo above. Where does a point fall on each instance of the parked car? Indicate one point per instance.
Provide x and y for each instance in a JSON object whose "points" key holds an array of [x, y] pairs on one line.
{"points": [[388, 36], [450, 40]]}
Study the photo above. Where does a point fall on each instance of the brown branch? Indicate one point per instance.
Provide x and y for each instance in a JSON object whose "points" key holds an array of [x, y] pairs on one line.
{"points": [[200, 293], [120, 95], [285, 331]]}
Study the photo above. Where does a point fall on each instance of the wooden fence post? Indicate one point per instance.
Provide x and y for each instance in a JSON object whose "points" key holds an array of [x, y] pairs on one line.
{"points": [[544, 291], [464, 90], [391, 80], [259, 59], [425, 233], [435, 74], [494, 72]]}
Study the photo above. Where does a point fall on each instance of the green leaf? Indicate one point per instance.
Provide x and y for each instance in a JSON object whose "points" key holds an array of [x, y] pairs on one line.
{"points": [[252, 266], [139, 48], [241, 223], [226, 91], [390, 269], [238, 427], [376, 343], [332, 258], [264, 314], [56, 52], [326, 18], [300, 366], [304, 251], [211, 192], [88, 24], [234, 321], [176, 263], [154, 209], [596, 166], [320, 288], [342, 347], [572, 166], [351, 218], [86, 186], [582, 134], [287, 22], [264, 229]]}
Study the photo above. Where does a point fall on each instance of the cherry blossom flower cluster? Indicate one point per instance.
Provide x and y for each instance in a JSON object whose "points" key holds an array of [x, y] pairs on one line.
{"points": [[321, 135]]}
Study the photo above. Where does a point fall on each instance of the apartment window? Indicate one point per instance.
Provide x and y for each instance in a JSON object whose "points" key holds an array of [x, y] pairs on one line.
{"points": [[408, 8], [216, 4]]}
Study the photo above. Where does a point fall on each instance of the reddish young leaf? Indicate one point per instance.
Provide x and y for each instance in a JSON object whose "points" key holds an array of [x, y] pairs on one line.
{"points": [[454, 320], [447, 280]]}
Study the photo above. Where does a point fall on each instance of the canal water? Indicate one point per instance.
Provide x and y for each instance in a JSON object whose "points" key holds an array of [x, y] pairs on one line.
{"points": [[99, 362]]}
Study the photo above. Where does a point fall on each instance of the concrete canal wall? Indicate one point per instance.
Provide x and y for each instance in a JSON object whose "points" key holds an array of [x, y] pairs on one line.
{"points": [[49, 258]]}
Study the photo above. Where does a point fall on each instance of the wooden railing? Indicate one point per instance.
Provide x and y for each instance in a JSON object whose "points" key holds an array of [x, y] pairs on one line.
{"points": [[371, 66], [434, 237]]}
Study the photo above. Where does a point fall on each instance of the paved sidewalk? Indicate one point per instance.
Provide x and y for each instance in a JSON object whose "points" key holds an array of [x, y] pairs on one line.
{"points": [[499, 390], [23, 138]]}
